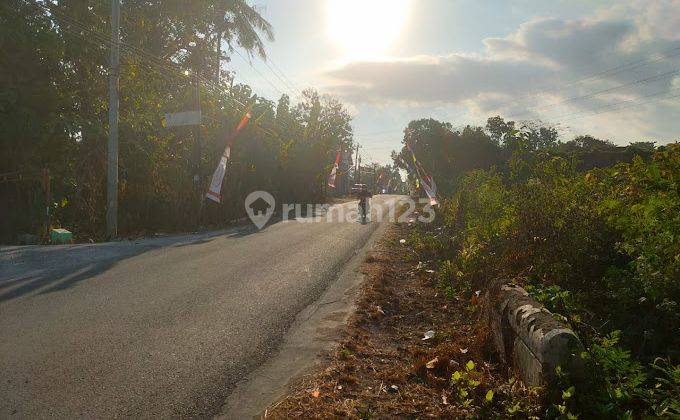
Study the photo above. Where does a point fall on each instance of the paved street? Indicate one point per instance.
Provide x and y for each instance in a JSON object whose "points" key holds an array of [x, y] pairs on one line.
{"points": [[157, 327]]}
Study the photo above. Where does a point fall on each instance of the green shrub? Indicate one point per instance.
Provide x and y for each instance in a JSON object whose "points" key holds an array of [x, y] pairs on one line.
{"points": [[600, 249]]}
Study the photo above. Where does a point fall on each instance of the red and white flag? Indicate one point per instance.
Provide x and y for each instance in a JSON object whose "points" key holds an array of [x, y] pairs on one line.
{"points": [[426, 180], [214, 192], [430, 189], [334, 171]]}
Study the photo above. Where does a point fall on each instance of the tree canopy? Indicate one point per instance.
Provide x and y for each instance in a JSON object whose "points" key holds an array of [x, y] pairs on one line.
{"points": [[53, 97]]}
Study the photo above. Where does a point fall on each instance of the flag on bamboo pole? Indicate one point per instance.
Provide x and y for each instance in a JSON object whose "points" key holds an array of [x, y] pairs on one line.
{"points": [[334, 171], [431, 190], [426, 180], [214, 192]]}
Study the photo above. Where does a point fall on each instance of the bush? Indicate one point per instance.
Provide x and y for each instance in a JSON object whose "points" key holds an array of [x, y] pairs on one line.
{"points": [[601, 249]]}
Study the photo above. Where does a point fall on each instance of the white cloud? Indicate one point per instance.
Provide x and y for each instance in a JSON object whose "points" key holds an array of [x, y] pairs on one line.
{"points": [[435, 79], [549, 69], [654, 18]]}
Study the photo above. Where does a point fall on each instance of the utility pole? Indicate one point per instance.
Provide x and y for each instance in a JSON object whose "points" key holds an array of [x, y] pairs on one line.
{"points": [[197, 132], [375, 178], [357, 166], [112, 167], [198, 146]]}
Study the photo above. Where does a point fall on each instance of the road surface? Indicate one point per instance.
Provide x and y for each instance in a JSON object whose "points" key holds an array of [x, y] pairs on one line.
{"points": [[160, 327]]}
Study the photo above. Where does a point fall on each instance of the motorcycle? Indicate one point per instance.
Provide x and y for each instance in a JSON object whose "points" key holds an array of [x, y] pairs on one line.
{"points": [[363, 209]]}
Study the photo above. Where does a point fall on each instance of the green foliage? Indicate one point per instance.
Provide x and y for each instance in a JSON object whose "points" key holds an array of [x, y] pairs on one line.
{"points": [[53, 96], [471, 389], [663, 396], [616, 385], [446, 153], [618, 377], [466, 382], [620, 386], [447, 278], [600, 250], [562, 303], [645, 207], [564, 402]]}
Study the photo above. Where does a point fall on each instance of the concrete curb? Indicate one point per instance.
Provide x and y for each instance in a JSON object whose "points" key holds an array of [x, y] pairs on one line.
{"points": [[528, 337]]}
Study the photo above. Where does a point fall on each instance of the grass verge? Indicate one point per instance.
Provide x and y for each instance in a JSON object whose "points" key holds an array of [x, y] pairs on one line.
{"points": [[384, 367]]}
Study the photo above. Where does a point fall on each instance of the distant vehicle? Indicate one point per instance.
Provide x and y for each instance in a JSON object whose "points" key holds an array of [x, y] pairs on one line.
{"points": [[356, 188]]}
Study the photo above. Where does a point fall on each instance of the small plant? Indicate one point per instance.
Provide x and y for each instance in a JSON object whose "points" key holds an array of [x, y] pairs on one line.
{"points": [[345, 353], [446, 275], [466, 384], [364, 414], [663, 397], [564, 404], [514, 408], [562, 303]]}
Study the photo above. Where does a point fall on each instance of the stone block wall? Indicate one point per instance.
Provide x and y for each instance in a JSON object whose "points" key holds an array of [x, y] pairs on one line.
{"points": [[527, 336]]}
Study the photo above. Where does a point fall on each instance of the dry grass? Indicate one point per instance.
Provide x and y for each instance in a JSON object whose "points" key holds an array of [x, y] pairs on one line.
{"points": [[384, 369]]}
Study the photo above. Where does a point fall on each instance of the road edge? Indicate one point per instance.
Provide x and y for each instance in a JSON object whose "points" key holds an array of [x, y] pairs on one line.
{"points": [[316, 330]]}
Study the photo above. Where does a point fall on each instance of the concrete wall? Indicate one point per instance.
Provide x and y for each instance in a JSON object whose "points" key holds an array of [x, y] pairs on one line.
{"points": [[528, 337]]}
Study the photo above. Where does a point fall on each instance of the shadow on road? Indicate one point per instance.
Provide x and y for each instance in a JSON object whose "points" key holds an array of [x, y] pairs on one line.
{"points": [[26, 269], [47, 269]]}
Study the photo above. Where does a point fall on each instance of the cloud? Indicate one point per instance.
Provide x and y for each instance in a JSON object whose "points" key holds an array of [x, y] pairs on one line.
{"points": [[653, 19], [435, 79], [546, 69], [562, 43]]}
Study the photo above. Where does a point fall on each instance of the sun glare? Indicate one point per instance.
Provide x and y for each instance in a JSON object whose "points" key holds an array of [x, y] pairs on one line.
{"points": [[366, 29]]}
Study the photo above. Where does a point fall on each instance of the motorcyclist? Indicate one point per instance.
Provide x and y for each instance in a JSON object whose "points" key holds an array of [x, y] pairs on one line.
{"points": [[364, 194]]}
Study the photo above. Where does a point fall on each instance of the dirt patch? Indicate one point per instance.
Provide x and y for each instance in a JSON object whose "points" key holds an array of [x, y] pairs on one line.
{"points": [[383, 366]]}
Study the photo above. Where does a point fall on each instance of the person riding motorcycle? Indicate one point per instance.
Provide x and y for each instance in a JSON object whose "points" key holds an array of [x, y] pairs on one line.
{"points": [[364, 194]]}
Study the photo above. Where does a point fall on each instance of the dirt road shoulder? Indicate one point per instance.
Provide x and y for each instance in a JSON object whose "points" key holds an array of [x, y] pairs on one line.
{"points": [[408, 351]]}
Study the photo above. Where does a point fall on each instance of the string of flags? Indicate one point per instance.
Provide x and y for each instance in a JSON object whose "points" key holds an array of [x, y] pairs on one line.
{"points": [[214, 192], [423, 178], [410, 169]]}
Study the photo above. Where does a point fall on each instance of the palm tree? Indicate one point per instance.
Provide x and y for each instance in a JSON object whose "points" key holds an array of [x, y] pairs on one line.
{"points": [[193, 33], [242, 24], [234, 23]]}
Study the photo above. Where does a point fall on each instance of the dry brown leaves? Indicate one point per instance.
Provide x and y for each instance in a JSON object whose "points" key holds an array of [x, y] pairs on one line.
{"points": [[383, 367]]}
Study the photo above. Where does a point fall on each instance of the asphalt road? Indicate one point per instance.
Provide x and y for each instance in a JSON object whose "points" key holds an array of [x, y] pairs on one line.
{"points": [[160, 327]]}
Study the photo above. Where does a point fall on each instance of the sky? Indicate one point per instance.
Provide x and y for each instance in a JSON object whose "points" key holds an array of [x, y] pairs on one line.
{"points": [[606, 68]]}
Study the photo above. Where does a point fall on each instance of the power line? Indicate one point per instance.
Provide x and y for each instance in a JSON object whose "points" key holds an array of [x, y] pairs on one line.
{"points": [[630, 103], [164, 66], [570, 114], [280, 78], [593, 94], [284, 74], [672, 52], [152, 61], [150, 58], [258, 72]]}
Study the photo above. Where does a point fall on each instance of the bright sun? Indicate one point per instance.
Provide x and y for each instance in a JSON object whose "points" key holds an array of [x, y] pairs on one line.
{"points": [[366, 29]]}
